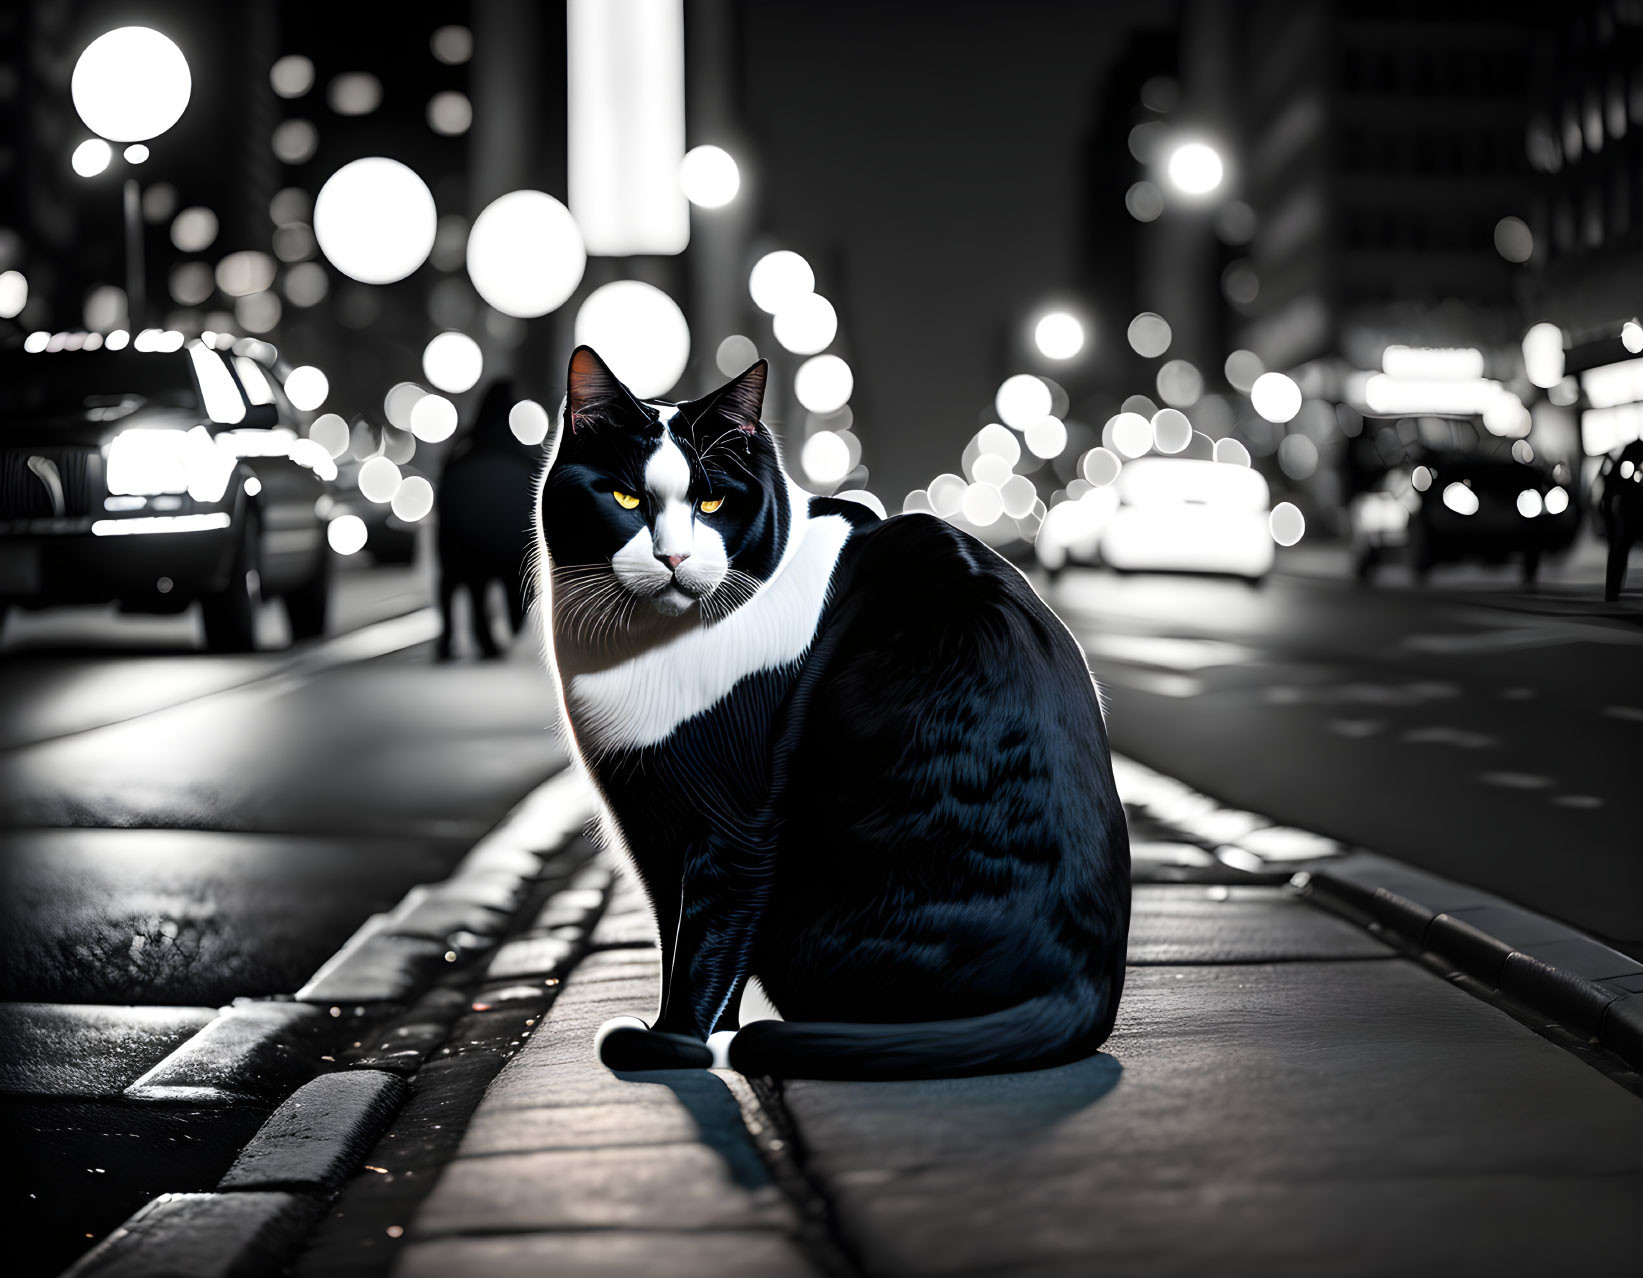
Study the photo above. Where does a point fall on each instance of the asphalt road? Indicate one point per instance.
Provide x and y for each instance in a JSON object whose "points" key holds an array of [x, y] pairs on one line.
{"points": [[178, 830], [1481, 731]]}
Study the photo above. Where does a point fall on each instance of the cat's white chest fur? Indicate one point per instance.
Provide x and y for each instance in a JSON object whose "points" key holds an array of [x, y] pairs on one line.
{"points": [[639, 700]]}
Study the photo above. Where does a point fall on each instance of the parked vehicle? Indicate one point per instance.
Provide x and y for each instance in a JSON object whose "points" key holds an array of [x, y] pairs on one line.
{"points": [[1451, 506], [157, 478]]}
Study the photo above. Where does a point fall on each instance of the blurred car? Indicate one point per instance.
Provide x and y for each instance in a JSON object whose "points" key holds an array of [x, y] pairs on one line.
{"points": [[1175, 514], [158, 478], [1458, 506]]}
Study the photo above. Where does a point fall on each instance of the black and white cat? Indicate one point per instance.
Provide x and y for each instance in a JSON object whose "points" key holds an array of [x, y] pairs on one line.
{"points": [[857, 759]]}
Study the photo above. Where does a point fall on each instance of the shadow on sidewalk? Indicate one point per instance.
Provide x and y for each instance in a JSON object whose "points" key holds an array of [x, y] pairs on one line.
{"points": [[718, 1118]]}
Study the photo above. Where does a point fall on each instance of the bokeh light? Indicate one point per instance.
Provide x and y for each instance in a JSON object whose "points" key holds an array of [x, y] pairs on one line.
{"points": [[354, 93], [1180, 384], [330, 432], [1022, 400], [194, 229], [1297, 456], [1514, 240], [246, 272], [1018, 496], [1242, 368], [91, 157], [639, 331], [982, 504], [397, 404], [1275, 397], [824, 384], [450, 114], [778, 279], [529, 422], [807, 325], [1046, 437], [131, 84], [1100, 467], [1149, 335], [1131, 434], [1631, 336], [433, 419], [709, 176], [192, 283], [307, 387], [291, 76], [453, 362], [735, 355], [1171, 430], [374, 220], [825, 458], [413, 499], [1058, 335], [1543, 355], [1144, 201], [379, 480], [525, 254], [1194, 168], [294, 142], [947, 494], [452, 45], [346, 534], [14, 294], [1286, 523]]}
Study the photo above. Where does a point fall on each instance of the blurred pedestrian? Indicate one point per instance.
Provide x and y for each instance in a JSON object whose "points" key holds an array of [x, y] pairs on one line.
{"points": [[484, 505]]}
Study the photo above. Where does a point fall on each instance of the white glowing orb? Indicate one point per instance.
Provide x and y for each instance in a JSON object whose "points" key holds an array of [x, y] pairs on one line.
{"points": [[993, 438], [1529, 503], [413, 499], [1195, 168], [824, 383], [433, 419], [330, 432], [947, 494], [1047, 437], [379, 480], [735, 354], [136, 153], [1131, 434], [14, 294], [453, 362], [709, 176], [1018, 495], [1460, 499], [306, 387], [825, 458], [1058, 335], [1171, 430], [529, 422], [1149, 334], [1543, 355], [1100, 466], [1022, 400], [1557, 501], [91, 157], [779, 279], [526, 254], [807, 325], [131, 84], [346, 534], [1232, 452], [918, 501], [375, 220], [990, 468], [397, 404], [982, 504], [639, 331], [1631, 336], [1275, 397], [1287, 523]]}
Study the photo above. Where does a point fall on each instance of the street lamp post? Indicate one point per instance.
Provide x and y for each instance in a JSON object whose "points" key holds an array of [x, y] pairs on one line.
{"points": [[130, 85]]}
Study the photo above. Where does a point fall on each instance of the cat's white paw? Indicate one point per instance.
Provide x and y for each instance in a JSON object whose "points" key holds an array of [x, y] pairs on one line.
{"points": [[719, 1044], [616, 1023]]}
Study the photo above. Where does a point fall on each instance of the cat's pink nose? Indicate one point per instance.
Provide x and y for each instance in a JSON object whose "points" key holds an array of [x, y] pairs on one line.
{"points": [[673, 561]]}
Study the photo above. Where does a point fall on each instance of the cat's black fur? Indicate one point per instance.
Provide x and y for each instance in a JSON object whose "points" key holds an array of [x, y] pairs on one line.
{"points": [[910, 835]]}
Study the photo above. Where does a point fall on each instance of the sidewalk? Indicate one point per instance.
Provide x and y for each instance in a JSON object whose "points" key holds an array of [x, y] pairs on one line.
{"points": [[1287, 1092]]}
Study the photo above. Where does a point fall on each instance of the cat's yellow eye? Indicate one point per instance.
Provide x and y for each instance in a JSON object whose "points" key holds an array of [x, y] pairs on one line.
{"points": [[708, 507], [625, 500]]}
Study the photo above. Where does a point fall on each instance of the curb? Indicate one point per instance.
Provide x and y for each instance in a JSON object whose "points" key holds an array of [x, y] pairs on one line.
{"points": [[267, 1204], [1547, 968]]}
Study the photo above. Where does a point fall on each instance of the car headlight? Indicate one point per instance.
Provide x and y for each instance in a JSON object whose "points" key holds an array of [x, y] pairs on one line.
{"points": [[145, 463]]}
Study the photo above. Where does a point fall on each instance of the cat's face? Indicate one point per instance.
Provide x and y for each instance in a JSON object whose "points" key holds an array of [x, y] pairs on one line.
{"points": [[670, 508]]}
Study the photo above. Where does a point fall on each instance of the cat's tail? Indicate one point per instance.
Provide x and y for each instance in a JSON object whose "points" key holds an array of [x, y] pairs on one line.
{"points": [[1051, 1029]]}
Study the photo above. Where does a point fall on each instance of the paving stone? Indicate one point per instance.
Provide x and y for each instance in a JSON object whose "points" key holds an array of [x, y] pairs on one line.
{"points": [[253, 1051], [1297, 1118], [680, 1186], [85, 1050], [203, 1236], [1622, 1029], [612, 1254], [434, 917], [381, 969], [521, 1131], [322, 1131], [530, 956], [1584, 957], [1180, 924]]}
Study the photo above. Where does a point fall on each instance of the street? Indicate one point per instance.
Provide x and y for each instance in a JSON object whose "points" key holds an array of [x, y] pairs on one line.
{"points": [[182, 830]]}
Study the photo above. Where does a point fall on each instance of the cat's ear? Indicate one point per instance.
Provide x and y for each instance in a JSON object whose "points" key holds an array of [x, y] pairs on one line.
{"points": [[741, 399], [593, 392]]}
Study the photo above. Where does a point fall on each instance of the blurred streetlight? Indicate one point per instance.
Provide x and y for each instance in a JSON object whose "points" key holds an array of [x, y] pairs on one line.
{"points": [[129, 85], [709, 176], [1195, 168], [1058, 335]]}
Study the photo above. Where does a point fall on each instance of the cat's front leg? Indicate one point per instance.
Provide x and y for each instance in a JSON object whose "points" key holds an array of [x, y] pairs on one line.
{"points": [[627, 1044]]}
